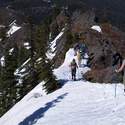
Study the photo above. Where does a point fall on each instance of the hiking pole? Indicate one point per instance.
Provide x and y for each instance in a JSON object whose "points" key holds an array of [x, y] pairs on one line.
{"points": [[115, 85]]}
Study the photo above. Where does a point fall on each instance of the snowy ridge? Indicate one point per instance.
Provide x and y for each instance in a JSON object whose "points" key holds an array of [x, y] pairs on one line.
{"points": [[22, 71], [52, 51], [74, 104], [27, 45], [2, 61], [97, 28], [11, 51], [13, 28], [64, 72], [18, 71]]}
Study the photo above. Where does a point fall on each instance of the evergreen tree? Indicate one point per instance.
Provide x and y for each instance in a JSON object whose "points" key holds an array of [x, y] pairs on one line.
{"points": [[30, 80], [3, 33], [8, 82], [45, 66]]}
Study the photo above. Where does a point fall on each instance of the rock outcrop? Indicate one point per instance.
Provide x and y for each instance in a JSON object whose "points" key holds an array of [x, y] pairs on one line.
{"points": [[101, 46]]}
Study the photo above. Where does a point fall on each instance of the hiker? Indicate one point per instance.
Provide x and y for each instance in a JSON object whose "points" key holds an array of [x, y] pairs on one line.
{"points": [[122, 68], [117, 60], [73, 66], [79, 58], [116, 63], [84, 61]]}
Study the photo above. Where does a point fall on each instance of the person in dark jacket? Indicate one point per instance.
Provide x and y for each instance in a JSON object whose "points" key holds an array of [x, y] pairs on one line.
{"points": [[74, 67], [116, 63], [122, 68], [117, 59]]}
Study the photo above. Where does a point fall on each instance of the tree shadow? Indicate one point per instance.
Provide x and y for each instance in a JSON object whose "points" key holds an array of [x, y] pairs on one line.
{"points": [[33, 118], [62, 82]]}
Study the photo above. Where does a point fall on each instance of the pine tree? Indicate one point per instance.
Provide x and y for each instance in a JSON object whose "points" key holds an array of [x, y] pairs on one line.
{"points": [[8, 81], [45, 66], [30, 80], [3, 33]]}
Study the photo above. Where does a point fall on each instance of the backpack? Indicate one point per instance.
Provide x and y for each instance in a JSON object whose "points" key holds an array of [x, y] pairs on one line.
{"points": [[78, 55], [73, 65], [117, 59]]}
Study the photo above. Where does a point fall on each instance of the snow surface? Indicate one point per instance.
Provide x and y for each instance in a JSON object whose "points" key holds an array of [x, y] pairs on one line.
{"points": [[97, 28], [2, 61], [76, 103], [39, 60], [13, 28], [21, 69], [51, 52], [11, 51], [21, 72], [27, 45]]}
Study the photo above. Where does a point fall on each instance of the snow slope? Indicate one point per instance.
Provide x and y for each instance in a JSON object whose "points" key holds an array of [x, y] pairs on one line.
{"points": [[97, 28], [76, 103], [13, 28], [52, 50]]}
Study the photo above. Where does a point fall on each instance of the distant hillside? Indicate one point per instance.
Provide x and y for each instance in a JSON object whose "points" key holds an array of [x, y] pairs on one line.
{"points": [[114, 10]]}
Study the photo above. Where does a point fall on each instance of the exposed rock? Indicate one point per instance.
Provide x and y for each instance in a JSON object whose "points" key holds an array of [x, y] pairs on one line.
{"points": [[105, 75], [82, 21], [101, 45], [101, 48]]}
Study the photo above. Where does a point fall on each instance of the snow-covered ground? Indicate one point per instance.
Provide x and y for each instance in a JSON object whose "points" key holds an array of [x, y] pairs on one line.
{"points": [[27, 45], [11, 51], [76, 103], [52, 50], [2, 61], [97, 28], [13, 28], [21, 68]]}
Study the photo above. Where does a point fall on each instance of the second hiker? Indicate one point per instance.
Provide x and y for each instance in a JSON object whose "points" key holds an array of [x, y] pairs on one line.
{"points": [[122, 68], [73, 66]]}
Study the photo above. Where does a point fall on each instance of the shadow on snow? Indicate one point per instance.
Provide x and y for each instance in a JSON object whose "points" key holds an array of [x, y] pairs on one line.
{"points": [[62, 82], [33, 118]]}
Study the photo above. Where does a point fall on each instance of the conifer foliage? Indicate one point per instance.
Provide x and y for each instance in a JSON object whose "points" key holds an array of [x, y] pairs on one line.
{"points": [[44, 66], [22, 69], [8, 81]]}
